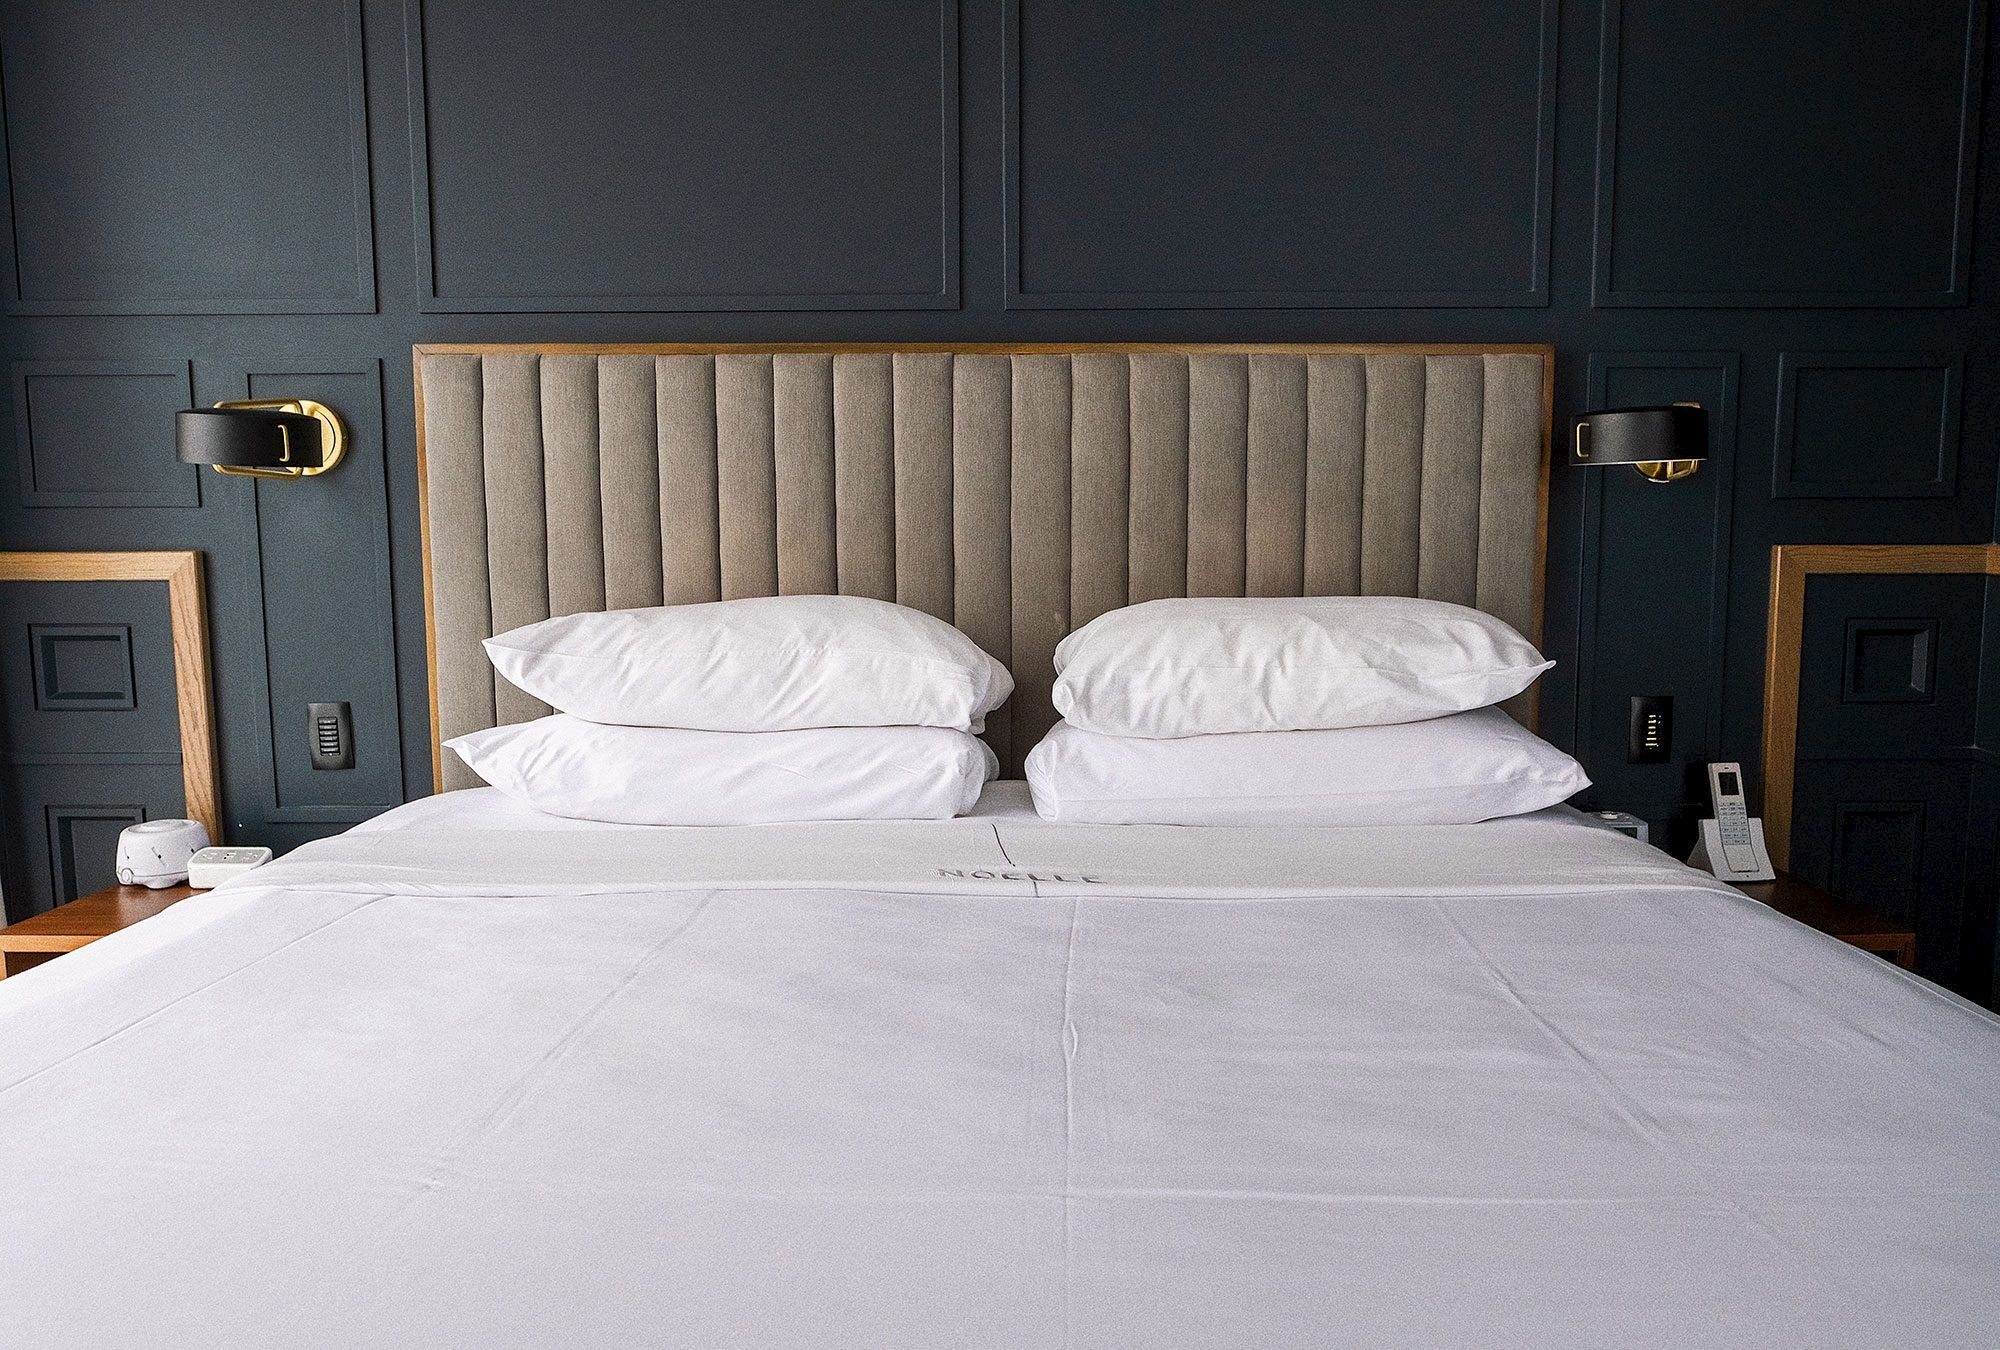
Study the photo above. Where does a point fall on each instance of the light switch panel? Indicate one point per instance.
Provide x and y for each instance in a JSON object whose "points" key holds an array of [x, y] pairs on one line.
{"points": [[332, 727], [1652, 734]]}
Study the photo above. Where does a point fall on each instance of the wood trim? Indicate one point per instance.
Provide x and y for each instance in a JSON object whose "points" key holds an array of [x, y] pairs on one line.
{"points": [[417, 355], [187, 611], [419, 351], [1791, 566], [1548, 355], [423, 349]]}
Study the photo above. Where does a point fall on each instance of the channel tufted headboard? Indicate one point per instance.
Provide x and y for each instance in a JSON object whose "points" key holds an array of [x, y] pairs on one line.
{"points": [[1015, 490]]}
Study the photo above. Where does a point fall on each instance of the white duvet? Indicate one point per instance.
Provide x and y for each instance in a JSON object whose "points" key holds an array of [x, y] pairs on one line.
{"points": [[991, 1082]]}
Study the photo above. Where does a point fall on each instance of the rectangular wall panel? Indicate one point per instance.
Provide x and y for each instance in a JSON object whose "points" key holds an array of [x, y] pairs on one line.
{"points": [[1892, 674], [1857, 424], [1890, 834], [1858, 629], [83, 846], [89, 732], [98, 434], [1772, 155], [1363, 198], [85, 667], [168, 158], [324, 594], [804, 161], [1655, 591]]}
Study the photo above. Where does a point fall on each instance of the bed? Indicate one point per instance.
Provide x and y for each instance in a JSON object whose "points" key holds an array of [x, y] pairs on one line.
{"points": [[465, 1076]]}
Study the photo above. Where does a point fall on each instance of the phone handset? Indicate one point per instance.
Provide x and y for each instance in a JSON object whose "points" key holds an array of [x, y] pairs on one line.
{"points": [[1732, 843]]}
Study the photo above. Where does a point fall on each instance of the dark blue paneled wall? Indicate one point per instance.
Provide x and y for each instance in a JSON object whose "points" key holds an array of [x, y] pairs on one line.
{"points": [[1777, 210]]}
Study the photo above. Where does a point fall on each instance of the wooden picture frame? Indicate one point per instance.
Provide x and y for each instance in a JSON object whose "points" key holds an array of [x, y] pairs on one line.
{"points": [[1791, 566], [187, 612]]}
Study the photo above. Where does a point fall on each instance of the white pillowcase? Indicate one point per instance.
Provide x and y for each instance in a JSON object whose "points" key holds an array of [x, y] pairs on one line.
{"points": [[1200, 667], [1454, 770], [567, 766], [769, 664]]}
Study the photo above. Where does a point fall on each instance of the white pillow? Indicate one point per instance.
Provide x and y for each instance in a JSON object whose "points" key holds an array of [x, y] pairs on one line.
{"points": [[567, 766], [768, 664], [1201, 667], [1453, 770]]}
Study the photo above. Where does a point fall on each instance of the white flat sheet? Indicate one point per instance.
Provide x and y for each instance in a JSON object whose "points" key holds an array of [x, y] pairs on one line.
{"points": [[997, 1083]]}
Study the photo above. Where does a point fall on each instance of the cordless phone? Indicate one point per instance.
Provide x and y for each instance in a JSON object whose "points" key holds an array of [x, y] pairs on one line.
{"points": [[1732, 843], [1725, 790]]}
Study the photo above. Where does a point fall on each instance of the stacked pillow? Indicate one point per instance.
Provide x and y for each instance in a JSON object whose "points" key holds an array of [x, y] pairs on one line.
{"points": [[814, 707], [1317, 711]]}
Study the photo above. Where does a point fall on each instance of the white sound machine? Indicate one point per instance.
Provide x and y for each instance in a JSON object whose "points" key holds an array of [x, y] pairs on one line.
{"points": [[155, 853]]}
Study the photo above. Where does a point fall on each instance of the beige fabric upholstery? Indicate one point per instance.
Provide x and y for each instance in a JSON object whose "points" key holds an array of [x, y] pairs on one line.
{"points": [[1017, 495]]}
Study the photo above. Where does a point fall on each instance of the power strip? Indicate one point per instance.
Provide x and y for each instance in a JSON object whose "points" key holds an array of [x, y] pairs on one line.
{"points": [[210, 867]]}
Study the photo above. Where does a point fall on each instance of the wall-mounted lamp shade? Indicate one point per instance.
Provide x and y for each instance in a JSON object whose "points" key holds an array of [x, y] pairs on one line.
{"points": [[1663, 443], [262, 438]]}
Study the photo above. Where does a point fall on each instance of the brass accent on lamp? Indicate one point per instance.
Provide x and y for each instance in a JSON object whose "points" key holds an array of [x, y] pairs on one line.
{"points": [[262, 437], [1665, 443]]}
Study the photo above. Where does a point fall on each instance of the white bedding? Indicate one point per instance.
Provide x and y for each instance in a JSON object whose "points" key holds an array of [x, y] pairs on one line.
{"points": [[990, 1082], [487, 808]]}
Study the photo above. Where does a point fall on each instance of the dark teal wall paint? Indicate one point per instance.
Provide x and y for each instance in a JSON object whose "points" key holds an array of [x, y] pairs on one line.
{"points": [[1777, 210]]}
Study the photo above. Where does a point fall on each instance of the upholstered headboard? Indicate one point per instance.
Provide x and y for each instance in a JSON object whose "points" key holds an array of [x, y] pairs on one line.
{"points": [[1016, 491]]}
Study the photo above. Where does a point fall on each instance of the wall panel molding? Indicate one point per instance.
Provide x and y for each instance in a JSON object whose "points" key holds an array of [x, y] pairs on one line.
{"points": [[105, 447], [341, 187], [1894, 452], [1951, 152], [80, 839], [1889, 661], [82, 667], [1532, 289], [325, 603], [1784, 640], [437, 296], [1710, 377]]}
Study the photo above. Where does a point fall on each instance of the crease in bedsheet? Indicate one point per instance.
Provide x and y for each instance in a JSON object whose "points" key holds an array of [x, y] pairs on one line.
{"points": [[1069, 1049], [181, 998], [1630, 1110], [511, 1100], [1703, 1193]]}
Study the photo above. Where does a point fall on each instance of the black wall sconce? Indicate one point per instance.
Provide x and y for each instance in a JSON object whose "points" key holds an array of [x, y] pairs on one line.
{"points": [[1663, 443], [262, 437]]}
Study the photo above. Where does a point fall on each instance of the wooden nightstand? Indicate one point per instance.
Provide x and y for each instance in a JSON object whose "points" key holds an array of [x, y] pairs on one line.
{"points": [[1810, 905], [81, 922]]}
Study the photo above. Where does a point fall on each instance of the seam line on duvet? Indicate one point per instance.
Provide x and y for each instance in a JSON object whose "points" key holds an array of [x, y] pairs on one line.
{"points": [[1069, 1046]]}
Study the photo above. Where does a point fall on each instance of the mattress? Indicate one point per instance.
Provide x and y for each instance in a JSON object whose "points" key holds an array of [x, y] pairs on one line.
{"points": [[460, 1081]]}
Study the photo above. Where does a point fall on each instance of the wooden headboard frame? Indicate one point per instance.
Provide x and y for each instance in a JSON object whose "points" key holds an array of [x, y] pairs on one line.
{"points": [[1016, 489]]}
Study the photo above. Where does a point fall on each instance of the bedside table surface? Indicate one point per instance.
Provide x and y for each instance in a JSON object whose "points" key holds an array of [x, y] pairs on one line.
{"points": [[84, 920], [1820, 909]]}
